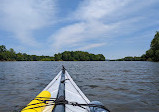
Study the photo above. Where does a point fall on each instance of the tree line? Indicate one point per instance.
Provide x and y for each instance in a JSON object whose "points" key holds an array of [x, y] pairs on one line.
{"points": [[11, 55], [151, 55], [78, 56], [130, 58]]}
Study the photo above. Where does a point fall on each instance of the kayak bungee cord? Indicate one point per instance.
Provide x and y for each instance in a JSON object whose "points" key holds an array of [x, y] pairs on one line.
{"points": [[60, 101], [63, 95]]}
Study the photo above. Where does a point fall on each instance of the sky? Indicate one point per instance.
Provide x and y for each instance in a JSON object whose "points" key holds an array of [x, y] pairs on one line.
{"points": [[114, 28]]}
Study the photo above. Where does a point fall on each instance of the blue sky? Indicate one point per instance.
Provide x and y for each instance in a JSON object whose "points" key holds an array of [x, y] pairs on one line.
{"points": [[115, 28]]}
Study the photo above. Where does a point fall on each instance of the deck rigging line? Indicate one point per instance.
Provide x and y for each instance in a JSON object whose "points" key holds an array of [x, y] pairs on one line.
{"points": [[61, 101], [61, 93]]}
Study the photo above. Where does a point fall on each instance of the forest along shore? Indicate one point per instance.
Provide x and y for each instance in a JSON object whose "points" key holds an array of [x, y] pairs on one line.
{"points": [[11, 55]]}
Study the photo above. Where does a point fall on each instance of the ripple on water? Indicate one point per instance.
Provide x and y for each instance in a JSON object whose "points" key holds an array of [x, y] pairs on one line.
{"points": [[120, 86], [92, 86], [99, 79]]}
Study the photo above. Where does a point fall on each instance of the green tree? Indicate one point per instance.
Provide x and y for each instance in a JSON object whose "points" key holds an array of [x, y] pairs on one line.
{"points": [[153, 52], [78, 56], [19, 57], [3, 48], [58, 57], [101, 57], [12, 54]]}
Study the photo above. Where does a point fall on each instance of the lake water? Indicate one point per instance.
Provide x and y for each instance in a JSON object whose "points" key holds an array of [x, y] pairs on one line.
{"points": [[120, 86]]}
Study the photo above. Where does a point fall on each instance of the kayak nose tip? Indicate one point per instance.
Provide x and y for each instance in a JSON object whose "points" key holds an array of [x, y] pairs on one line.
{"points": [[63, 69]]}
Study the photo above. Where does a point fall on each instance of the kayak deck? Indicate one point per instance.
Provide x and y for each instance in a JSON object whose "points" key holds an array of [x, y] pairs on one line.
{"points": [[63, 95], [72, 94]]}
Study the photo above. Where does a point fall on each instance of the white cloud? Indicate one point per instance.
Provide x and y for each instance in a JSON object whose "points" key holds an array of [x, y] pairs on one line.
{"points": [[68, 35], [22, 17], [99, 20], [97, 9], [90, 25], [90, 46], [74, 34], [92, 17]]}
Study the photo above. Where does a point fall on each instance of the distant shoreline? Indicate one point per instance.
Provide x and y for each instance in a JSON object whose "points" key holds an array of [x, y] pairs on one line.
{"points": [[10, 55]]}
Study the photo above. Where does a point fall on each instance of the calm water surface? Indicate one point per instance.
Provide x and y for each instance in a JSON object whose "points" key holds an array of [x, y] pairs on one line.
{"points": [[121, 86]]}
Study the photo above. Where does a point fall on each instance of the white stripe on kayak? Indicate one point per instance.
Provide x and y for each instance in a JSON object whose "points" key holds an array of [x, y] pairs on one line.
{"points": [[74, 94], [53, 87]]}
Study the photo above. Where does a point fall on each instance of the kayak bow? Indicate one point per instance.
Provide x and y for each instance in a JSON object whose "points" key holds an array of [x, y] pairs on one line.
{"points": [[63, 95]]}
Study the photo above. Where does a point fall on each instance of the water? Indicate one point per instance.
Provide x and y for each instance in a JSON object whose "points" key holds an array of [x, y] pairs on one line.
{"points": [[120, 86]]}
